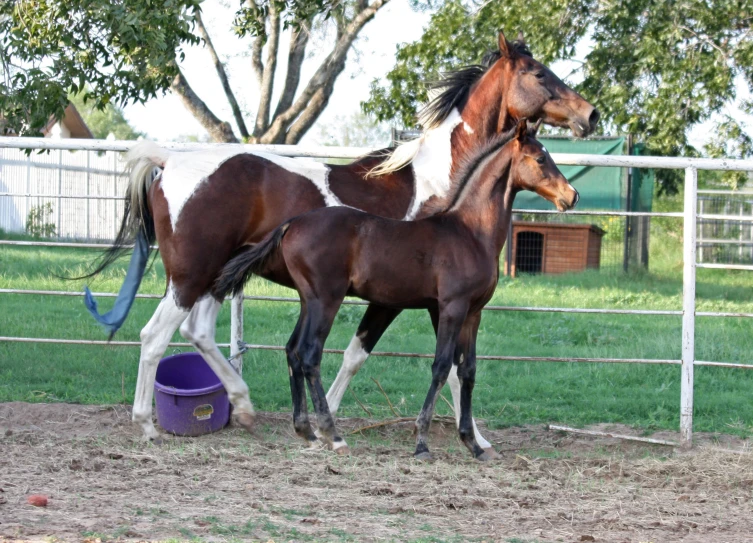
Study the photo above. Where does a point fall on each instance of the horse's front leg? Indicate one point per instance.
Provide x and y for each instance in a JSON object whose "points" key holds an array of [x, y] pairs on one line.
{"points": [[465, 370], [450, 322], [375, 321]]}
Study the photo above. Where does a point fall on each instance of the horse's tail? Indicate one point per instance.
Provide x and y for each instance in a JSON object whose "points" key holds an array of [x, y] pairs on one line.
{"points": [[251, 260], [145, 162]]}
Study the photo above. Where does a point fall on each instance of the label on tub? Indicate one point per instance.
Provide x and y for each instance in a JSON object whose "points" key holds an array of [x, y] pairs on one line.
{"points": [[203, 412]]}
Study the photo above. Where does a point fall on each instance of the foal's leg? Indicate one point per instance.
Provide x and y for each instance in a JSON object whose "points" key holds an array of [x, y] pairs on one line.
{"points": [[454, 382], [301, 422], [314, 331], [199, 329], [466, 371], [154, 340], [451, 319], [375, 321]]}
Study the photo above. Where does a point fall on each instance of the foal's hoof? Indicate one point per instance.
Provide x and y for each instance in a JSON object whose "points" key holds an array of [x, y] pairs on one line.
{"points": [[424, 456], [342, 451], [244, 420]]}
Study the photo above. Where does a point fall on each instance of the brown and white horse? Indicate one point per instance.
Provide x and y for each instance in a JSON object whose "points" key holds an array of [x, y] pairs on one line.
{"points": [[207, 206], [447, 263]]}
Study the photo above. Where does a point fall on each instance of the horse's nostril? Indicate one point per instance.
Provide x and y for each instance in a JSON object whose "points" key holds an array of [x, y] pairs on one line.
{"points": [[594, 117], [577, 198]]}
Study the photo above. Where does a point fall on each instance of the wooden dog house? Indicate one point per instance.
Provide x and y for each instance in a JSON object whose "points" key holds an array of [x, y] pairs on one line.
{"points": [[539, 247]]}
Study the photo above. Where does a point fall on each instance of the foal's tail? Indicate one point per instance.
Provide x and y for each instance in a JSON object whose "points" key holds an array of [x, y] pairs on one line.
{"points": [[145, 162], [250, 261]]}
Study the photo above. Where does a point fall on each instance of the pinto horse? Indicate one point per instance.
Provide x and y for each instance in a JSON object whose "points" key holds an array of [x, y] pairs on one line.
{"points": [[204, 207], [447, 263]]}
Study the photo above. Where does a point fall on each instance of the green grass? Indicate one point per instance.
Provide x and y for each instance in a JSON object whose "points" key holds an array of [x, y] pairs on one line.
{"points": [[507, 393]]}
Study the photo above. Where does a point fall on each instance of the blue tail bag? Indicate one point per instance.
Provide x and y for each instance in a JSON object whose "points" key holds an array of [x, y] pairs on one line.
{"points": [[113, 319]]}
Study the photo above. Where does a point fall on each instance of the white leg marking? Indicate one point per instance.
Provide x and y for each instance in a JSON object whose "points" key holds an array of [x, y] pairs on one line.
{"points": [[454, 383], [199, 329], [154, 339], [353, 359]]}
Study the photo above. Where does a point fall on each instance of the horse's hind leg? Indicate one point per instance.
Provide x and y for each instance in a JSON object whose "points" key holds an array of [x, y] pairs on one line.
{"points": [[199, 329], [375, 321], [315, 328], [301, 422], [154, 340]]}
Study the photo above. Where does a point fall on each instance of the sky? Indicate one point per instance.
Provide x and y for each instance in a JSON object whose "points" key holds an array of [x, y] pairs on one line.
{"points": [[166, 119]]}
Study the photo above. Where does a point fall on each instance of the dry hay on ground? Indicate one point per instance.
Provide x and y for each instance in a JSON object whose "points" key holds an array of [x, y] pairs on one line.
{"points": [[104, 483]]}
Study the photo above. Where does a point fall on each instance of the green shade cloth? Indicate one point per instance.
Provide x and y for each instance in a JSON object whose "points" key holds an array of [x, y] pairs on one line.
{"points": [[599, 187]]}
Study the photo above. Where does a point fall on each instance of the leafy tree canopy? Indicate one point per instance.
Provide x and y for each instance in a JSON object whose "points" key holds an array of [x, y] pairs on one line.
{"points": [[115, 51], [655, 69], [104, 121]]}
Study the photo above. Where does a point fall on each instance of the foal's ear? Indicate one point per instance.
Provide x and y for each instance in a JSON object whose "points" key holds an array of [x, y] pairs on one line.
{"points": [[534, 129], [504, 47], [521, 132], [521, 39]]}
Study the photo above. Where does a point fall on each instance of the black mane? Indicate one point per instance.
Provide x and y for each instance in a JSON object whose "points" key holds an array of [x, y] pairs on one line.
{"points": [[455, 86], [470, 163]]}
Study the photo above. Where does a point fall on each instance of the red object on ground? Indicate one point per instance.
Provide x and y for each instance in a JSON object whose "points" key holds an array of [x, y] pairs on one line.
{"points": [[37, 500]]}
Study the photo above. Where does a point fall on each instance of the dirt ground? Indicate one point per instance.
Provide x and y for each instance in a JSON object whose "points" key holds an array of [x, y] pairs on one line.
{"points": [[104, 483]]}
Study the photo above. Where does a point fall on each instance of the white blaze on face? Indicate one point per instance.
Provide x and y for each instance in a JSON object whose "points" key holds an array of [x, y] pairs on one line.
{"points": [[433, 162], [184, 173]]}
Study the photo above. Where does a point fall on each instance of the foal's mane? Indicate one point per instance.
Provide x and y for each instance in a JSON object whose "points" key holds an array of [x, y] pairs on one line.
{"points": [[453, 89], [455, 86], [470, 163]]}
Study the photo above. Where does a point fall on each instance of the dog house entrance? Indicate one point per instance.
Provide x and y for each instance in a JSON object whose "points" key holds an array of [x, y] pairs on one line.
{"points": [[529, 254]]}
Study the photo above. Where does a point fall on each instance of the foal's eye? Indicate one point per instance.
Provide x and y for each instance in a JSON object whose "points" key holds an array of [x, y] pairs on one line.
{"points": [[541, 159], [540, 76]]}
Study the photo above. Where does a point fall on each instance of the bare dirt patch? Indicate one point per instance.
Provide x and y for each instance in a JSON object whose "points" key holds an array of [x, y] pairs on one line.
{"points": [[103, 482]]}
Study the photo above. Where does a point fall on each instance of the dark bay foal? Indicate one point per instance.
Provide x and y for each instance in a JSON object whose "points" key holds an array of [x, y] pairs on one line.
{"points": [[447, 263]]}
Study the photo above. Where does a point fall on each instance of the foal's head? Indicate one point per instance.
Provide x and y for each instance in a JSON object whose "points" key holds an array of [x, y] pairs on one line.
{"points": [[532, 168]]}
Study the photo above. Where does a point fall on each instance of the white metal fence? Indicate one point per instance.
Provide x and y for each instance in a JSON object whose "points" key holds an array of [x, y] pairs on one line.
{"points": [[689, 215]]}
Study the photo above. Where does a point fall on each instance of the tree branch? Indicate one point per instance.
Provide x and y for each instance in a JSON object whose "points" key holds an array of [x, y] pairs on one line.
{"points": [[270, 67], [256, 48], [223, 77], [325, 74], [298, 41], [218, 130], [317, 104]]}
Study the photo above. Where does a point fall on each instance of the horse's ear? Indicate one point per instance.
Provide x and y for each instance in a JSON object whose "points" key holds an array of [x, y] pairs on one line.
{"points": [[534, 129], [521, 39], [521, 133], [504, 47]]}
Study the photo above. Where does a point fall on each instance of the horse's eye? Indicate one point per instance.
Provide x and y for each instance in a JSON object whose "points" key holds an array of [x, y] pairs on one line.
{"points": [[541, 159], [540, 76]]}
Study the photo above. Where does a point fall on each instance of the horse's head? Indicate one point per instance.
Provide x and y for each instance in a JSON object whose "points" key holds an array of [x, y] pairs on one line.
{"points": [[533, 169], [531, 91]]}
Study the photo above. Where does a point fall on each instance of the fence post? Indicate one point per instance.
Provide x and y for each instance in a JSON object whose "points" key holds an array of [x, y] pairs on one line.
{"points": [[236, 331], [688, 307]]}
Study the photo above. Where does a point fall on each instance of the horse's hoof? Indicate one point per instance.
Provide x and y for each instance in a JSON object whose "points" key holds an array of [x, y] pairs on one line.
{"points": [[342, 450], [244, 420], [491, 454], [423, 456], [484, 457]]}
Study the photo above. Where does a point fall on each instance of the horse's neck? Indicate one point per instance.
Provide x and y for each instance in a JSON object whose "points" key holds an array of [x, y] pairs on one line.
{"points": [[442, 148]]}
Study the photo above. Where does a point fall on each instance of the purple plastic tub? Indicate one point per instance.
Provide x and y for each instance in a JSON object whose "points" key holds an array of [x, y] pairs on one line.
{"points": [[190, 398]]}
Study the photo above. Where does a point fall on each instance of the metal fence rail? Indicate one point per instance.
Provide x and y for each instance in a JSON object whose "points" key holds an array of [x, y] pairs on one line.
{"points": [[690, 217]]}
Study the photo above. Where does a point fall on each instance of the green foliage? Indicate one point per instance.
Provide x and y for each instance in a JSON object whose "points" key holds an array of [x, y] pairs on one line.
{"points": [[655, 68], [37, 224], [112, 51], [106, 121]]}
